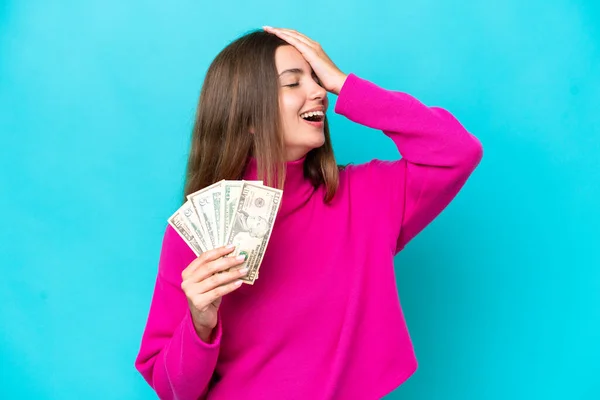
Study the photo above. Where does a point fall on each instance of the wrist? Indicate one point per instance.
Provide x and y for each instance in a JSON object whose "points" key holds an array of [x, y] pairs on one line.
{"points": [[202, 331], [341, 82], [204, 334]]}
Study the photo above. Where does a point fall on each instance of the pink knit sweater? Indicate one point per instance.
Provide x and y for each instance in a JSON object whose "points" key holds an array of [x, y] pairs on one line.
{"points": [[324, 320]]}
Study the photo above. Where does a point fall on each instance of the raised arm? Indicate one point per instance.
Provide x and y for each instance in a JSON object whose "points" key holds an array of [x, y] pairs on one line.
{"points": [[438, 154]]}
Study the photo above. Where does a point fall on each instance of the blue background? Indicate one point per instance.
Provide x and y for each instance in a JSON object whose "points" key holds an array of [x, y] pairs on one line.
{"points": [[501, 292]]}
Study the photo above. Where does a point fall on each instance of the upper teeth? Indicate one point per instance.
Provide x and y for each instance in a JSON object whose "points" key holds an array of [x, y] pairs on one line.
{"points": [[312, 113]]}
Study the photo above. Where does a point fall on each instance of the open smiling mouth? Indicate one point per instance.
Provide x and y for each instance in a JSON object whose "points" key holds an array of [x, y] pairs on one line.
{"points": [[314, 118]]}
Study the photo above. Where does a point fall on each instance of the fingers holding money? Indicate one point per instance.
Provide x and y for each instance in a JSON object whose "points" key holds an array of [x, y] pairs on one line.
{"points": [[204, 260], [217, 283], [211, 270], [221, 291], [205, 280], [218, 272], [204, 287], [202, 301]]}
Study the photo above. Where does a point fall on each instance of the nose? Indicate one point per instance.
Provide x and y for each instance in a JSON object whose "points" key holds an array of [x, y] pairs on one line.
{"points": [[317, 91]]}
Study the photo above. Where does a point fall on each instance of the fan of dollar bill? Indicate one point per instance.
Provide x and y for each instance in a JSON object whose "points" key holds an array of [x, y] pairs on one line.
{"points": [[241, 213]]}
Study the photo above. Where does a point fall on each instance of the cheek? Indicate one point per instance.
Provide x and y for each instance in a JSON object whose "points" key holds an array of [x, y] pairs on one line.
{"points": [[290, 105]]}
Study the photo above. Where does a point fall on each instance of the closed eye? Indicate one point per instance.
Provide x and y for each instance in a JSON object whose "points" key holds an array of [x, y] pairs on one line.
{"points": [[315, 78]]}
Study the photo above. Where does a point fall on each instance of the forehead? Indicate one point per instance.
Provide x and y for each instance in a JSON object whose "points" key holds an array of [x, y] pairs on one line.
{"points": [[288, 57]]}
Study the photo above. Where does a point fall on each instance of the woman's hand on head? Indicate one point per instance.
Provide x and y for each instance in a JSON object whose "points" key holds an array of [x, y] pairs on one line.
{"points": [[331, 77], [205, 281]]}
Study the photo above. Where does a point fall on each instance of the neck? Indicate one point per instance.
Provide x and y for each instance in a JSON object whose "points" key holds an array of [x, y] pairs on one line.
{"points": [[297, 188]]}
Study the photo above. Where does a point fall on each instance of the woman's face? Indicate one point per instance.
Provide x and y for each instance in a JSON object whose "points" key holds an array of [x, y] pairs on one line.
{"points": [[299, 92]]}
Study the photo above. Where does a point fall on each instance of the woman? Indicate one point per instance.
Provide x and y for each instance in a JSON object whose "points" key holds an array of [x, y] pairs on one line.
{"points": [[324, 320]]}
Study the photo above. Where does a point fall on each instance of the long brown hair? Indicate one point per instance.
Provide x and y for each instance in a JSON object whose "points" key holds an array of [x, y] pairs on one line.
{"points": [[240, 92]]}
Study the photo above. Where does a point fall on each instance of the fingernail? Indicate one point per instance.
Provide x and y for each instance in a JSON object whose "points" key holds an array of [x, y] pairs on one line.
{"points": [[230, 246], [244, 270], [241, 257], [267, 27], [238, 282]]}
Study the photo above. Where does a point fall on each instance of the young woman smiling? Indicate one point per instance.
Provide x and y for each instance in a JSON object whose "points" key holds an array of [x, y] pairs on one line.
{"points": [[324, 320]]}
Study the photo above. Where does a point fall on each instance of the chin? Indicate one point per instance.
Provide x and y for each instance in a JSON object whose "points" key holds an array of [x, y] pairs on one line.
{"points": [[310, 142], [316, 145], [318, 141]]}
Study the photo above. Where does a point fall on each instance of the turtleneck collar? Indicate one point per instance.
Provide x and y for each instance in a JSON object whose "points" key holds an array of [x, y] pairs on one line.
{"points": [[297, 189]]}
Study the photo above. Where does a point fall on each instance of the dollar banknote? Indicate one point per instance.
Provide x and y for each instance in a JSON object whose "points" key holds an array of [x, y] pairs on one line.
{"points": [[252, 224], [203, 202], [188, 214], [180, 226], [230, 212], [216, 211], [230, 194]]}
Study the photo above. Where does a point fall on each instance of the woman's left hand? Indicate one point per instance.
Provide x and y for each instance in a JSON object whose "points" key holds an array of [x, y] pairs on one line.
{"points": [[331, 77]]}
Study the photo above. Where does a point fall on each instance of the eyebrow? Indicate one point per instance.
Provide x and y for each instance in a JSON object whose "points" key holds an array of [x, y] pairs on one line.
{"points": [[292, 71]]}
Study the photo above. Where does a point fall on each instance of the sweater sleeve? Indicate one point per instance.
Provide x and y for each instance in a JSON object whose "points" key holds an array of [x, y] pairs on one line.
{"points": [[174, 361], [437, 156]]}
